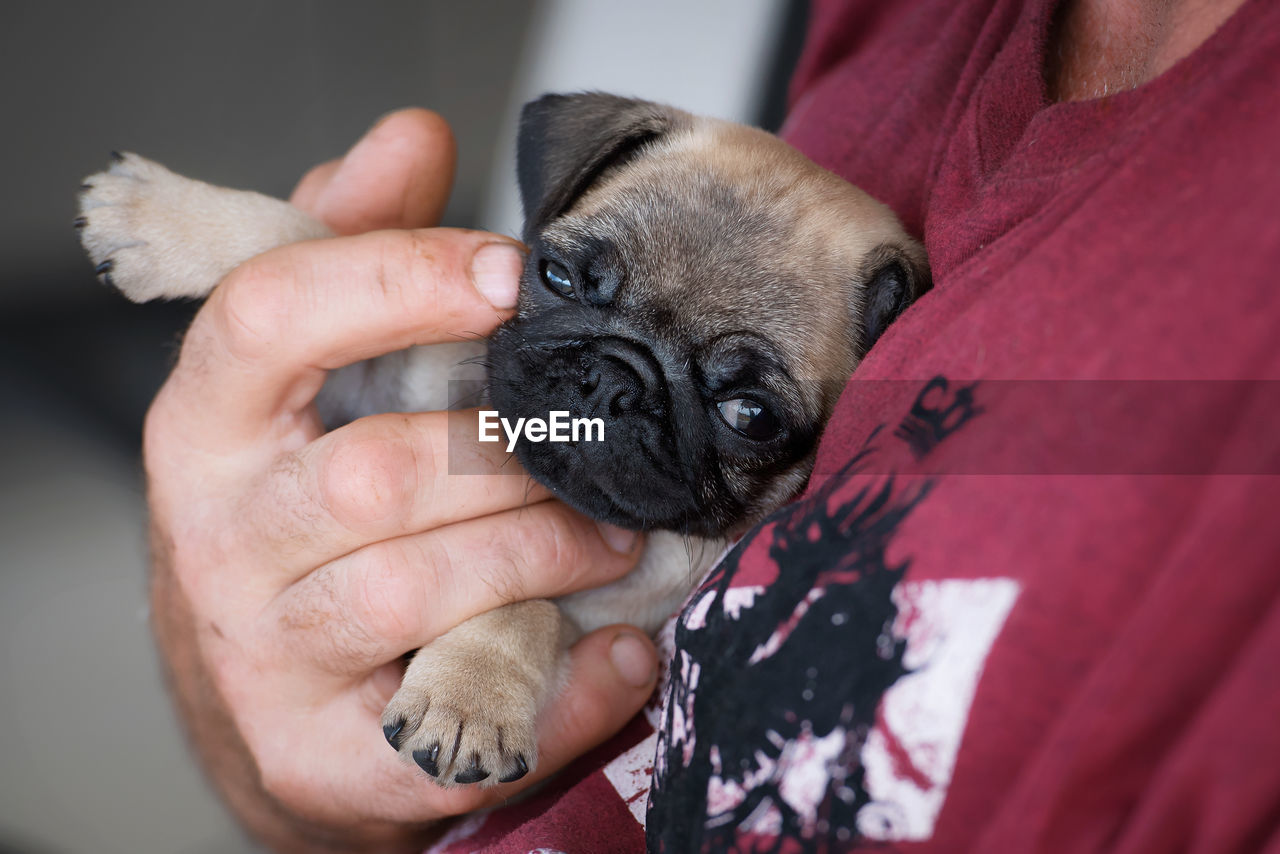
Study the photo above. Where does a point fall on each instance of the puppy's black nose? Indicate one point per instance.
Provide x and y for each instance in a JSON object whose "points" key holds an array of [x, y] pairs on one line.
{"points": [[620, 378]]}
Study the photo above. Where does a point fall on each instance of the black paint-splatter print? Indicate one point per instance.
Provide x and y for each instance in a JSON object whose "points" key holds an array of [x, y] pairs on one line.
{"points": [[805, 660], [938, 412]]}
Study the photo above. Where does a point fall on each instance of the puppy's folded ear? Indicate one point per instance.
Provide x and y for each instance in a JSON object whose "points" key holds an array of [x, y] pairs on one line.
{"points": [[893, 277], [567, 141]]}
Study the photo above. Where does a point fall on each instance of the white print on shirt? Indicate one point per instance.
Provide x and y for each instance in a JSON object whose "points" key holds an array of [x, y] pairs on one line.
{"points": [[949, 627], [629, 773]]}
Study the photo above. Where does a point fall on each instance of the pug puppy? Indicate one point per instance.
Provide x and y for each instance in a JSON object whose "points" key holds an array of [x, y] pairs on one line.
{"points": [[699, 287]]}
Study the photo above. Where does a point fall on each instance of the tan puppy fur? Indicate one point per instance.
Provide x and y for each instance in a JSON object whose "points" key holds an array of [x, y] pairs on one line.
{"points": [[165, 237]]}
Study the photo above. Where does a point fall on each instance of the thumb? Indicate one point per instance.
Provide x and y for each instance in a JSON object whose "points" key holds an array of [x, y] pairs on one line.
{"points": [[613, 673]]}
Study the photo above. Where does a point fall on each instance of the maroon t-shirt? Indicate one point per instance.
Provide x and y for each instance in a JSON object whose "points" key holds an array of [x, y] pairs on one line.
{"points": [[1029, 601]]}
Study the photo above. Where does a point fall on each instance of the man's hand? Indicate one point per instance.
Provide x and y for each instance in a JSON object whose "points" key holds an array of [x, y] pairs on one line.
{"points": [[294, 568]]}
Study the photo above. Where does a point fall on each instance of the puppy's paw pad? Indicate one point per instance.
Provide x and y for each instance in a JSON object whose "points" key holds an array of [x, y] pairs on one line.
{"points": [[460, 731]]}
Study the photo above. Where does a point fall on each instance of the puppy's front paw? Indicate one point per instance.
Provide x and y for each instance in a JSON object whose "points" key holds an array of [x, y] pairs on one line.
{"points": [[128, 225], [462, 719], [157, 235]]}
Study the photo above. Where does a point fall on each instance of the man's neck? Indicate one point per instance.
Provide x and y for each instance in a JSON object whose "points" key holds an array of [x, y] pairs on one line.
{"points": [[1101, 47]]}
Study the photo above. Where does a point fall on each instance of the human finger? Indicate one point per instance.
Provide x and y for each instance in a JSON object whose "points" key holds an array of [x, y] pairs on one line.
{"points": [[613, 673], [390, 597], [376, 478], [304, 195], [397, 176], [257, 353]]}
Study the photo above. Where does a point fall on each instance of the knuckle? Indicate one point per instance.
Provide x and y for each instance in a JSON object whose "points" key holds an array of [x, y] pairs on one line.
{"points": [[505, 576], [384, 598], [254, 307], [431, 263], [564, 544], [554, 548], [324, 623], [371, 478], [286, 515]]}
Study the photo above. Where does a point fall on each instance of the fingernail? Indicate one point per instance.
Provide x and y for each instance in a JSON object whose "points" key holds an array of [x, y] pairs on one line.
{"points": [[633, 660], [496, 270], [620, 540]]}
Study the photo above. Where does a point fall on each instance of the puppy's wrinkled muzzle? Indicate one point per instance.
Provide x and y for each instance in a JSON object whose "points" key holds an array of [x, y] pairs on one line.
{"points": [[632, 475]]}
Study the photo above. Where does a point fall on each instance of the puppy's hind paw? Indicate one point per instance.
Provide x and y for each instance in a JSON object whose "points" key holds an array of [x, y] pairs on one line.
{"points": [[461, 726]]}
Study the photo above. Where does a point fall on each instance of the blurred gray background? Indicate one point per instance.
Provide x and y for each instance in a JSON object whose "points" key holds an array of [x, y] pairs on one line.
{"points": [[248, 94]]}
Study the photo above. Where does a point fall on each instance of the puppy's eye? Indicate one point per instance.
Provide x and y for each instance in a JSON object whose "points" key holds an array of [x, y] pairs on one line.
{"points": [[557, 278], [749, 418]]}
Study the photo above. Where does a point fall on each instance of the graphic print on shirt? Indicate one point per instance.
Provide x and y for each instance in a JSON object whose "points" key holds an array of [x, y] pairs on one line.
{"points": [[938, 412], [826, 703]]}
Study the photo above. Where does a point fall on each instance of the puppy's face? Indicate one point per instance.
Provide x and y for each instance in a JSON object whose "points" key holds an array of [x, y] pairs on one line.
{"points": [[702, 289]]}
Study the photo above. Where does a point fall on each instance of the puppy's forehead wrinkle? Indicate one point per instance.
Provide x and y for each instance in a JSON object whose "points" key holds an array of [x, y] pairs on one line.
{"points": [[674, 261]]}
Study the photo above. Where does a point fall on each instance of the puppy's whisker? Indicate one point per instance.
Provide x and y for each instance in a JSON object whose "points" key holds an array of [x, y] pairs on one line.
{"points": [[516, 330]]}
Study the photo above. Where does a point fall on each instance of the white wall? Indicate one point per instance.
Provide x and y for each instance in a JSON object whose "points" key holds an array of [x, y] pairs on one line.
{"points": [[705, 56]]}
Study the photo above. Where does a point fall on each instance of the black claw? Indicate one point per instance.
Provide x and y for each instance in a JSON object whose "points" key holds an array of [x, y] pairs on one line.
{"points": [[104, 267], [108, 281], [80, 222], [391, 732], [86, 186], [474, 774], [521, 769], [428, 758], [117, 156]]}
